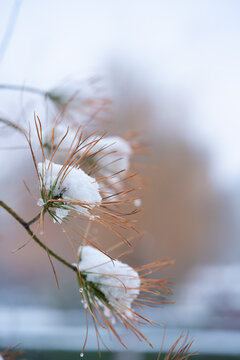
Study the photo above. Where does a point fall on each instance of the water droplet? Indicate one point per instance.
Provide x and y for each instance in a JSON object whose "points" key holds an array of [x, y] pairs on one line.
{"points": [[81, 290], [41, 232], [82, 354]]}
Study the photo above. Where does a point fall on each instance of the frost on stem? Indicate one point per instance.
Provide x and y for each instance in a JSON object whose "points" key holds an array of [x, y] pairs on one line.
{"points": [[61, 193], [117, 281]]}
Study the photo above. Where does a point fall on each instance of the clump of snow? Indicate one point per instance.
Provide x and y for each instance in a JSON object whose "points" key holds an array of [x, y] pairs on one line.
{"points": [[76, 186], [113, 153], [119, 282], [137, 202]]}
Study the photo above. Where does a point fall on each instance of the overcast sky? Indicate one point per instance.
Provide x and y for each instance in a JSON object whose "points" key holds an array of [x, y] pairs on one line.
{"points": [[186, 47]]}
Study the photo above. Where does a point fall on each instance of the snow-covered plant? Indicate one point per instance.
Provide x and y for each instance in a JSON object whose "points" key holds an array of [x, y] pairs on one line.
{"points": [[111, 289], [86, 178], [118, 283], [68, 191], [110, 153], [66, 188], [108, 159]]}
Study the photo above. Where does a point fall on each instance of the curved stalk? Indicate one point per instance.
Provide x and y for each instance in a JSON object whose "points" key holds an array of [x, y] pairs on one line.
{"points": [[34, 237], [11, 124]]}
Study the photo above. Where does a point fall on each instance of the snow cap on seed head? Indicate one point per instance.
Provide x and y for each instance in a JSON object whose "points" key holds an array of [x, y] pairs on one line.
{"points": [[80, 191], [118, 282]]}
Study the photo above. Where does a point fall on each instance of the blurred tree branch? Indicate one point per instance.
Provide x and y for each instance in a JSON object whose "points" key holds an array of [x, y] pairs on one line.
{"points": [[10, 28]]}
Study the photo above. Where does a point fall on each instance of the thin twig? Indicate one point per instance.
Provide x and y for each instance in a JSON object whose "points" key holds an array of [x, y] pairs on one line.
{"points": [[35, 238], [23, 88], [86, 232], [34, 219], [9, 28], [12, 124]]}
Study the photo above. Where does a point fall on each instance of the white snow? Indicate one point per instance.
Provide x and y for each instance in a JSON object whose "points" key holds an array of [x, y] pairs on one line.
{"points": [[114, 153], [76, 186], [119, 282], [137, 202]]}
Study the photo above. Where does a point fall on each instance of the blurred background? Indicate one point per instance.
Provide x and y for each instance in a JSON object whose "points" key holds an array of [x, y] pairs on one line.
{"points": [[172, 70]]}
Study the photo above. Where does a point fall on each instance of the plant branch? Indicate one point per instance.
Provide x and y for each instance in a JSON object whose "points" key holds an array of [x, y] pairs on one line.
{"points": [[34, 219], [11, 124], [24, 88], [34, 237]]}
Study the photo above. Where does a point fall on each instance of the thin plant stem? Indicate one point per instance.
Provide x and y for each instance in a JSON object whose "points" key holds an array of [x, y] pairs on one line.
{"points": [[86, 232], [35, 238], [11, 124], [34, 219], [23, 88]]}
